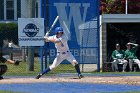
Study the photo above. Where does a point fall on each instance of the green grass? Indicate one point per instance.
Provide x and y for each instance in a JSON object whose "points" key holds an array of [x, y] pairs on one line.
{"points": [[62, 68], [21, 70], [3, 91], [133, 73]]}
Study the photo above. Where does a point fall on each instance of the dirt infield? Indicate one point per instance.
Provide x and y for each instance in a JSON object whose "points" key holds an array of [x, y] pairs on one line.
{"points": [[129, 80]]}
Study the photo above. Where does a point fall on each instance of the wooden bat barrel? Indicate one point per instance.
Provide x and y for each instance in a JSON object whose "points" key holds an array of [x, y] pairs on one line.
{"points": [[3, 69]]}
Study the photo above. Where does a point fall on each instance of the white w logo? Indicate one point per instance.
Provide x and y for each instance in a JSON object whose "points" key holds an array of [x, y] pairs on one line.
{"points": [[76, 12]]}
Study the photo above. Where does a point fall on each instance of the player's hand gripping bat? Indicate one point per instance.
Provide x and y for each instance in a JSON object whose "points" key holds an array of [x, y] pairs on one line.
{"points": [[55, 21]]}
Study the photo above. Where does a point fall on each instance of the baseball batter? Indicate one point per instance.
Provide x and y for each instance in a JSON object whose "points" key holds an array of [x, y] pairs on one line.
{"points": [[63, 52]]}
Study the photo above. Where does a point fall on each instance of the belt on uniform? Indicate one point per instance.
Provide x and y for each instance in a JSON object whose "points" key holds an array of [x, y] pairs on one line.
{"points": [[63, 52]]}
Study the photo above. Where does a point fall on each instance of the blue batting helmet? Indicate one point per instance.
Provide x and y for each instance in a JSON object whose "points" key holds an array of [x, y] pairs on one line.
{"points": [[58, 29]]}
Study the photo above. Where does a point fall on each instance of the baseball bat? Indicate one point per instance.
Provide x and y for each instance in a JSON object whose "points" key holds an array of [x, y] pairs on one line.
{"points": [[55, 21]]}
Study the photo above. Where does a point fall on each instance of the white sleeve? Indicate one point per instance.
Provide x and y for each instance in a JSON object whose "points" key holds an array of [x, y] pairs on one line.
{"points": [[133, 44]]}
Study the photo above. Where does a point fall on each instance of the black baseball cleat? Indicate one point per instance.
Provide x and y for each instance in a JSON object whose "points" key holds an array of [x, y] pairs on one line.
{"points": [[38, 76], [80, 76]]}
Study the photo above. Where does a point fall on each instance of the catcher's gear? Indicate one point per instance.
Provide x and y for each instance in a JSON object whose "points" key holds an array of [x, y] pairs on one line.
{"points": [[3, 60], [3, 69], [58, 29], [17, 63]]}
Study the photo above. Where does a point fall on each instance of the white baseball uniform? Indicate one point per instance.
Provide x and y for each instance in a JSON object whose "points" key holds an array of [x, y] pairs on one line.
{"points": [[63, 52]]}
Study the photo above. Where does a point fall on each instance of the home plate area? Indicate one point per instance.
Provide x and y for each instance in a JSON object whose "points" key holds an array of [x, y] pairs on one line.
{"points": [[71, 84]]}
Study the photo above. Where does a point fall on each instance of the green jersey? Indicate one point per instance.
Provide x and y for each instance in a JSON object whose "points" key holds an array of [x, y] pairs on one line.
{"points": [[118, 54], [131, 53]]}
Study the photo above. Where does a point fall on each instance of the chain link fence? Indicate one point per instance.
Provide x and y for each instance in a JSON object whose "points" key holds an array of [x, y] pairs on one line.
{"points": [[14, 9], [11, 50]]}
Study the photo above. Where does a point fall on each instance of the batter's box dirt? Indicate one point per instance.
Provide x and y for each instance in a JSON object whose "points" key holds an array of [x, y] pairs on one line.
{"points": [[129, 80]]}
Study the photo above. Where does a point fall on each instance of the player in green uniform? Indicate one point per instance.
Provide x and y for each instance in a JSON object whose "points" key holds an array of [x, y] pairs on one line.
{"points": [[118, 58], [130, 54]]}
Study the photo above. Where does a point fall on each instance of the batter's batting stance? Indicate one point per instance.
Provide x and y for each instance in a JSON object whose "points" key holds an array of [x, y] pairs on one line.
{"points": [[63, 52]]}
